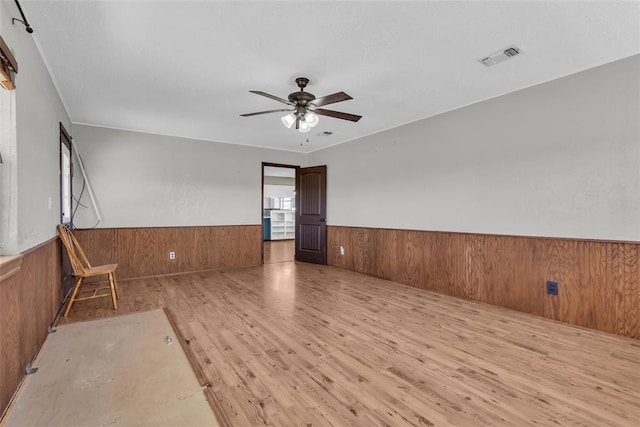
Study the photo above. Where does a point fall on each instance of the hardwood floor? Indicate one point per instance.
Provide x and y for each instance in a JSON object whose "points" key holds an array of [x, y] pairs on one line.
{"points": [[291, 344], [279, 251]]}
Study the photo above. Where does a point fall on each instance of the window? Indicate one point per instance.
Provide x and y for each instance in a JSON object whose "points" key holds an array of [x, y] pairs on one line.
{"points": [[287, 203], [8, 175]]}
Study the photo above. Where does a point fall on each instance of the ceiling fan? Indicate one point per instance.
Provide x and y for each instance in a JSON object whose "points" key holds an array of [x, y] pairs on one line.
{"points": [[303, 107]]}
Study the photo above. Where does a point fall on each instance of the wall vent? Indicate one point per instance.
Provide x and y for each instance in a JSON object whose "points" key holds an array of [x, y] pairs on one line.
{"points": [[500, 56]]}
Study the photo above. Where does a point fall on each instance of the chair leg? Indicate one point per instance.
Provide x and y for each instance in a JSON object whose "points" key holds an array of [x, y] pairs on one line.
{"points": [[72, 299], [112, 288], [115, 285]]}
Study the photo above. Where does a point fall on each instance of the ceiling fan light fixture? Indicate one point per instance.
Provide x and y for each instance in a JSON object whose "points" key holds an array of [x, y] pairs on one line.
{"points": [[304, 126], [311, 118], [289, 120], [301, 106]]}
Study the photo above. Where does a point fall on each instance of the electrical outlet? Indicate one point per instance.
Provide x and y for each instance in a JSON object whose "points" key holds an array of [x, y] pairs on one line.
{"points": [[341, 250], [172, 255], [552, 288]]}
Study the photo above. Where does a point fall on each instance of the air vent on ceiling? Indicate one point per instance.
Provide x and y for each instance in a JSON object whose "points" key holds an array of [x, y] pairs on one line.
{"points": [[512, 51], [501, 55], [325, 133], [488, 61]]}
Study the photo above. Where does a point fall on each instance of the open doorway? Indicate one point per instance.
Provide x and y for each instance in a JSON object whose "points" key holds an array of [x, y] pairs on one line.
{"points": [[278, 212]]}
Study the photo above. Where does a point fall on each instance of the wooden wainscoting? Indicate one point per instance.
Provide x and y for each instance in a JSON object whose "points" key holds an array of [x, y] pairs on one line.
{"points": [[141, 252], [598, 281], [29, 301]]}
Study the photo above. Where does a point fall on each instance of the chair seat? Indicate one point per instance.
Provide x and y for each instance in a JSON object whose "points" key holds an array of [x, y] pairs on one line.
{"points": [[99, 270]]}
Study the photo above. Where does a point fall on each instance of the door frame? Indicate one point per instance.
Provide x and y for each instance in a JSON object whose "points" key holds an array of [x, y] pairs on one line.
{"points": [[275, 165], [67, 281]]}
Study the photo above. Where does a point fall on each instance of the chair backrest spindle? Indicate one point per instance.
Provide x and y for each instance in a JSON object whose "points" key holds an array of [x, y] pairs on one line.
{"points": [[77, 258]]}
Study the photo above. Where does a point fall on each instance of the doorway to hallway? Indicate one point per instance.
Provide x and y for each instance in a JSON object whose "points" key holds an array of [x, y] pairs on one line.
{"points": [[278, 212], [294, 209]]}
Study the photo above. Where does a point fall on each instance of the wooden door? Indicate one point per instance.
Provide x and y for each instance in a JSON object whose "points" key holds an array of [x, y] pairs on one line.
{"points": [[311, 212]]}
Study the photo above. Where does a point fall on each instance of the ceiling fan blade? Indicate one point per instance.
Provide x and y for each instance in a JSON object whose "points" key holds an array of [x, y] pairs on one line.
{"points": [[284, 101], [264, 112], [331, 99], [337, 114]]}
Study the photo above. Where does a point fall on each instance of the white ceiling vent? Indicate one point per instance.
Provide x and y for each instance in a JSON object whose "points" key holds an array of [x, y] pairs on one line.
{"points": [[501, 55]]}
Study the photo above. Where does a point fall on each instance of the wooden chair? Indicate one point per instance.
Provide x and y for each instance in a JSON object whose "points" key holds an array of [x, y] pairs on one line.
{"points": [[83, 269]]}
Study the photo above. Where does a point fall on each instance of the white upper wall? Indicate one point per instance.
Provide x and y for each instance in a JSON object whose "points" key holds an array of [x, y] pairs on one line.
{"points": [[561, 159], [146, 180], [39, 111]]}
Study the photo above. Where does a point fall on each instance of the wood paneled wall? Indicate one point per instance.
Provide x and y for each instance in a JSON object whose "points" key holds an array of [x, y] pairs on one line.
{"points": [[141, 252], [29, 301], [598, 281]]}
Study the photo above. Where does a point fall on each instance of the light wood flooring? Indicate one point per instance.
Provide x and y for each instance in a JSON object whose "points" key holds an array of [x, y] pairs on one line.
{"points": [[291, 344], [279, 251]]}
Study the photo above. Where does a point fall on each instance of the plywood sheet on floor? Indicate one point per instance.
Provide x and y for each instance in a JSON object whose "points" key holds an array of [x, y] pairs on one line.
{"points": [[117, 371]]}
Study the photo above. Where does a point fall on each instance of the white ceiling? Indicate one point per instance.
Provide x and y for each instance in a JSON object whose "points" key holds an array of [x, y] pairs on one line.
{"points": [[185, 68]]}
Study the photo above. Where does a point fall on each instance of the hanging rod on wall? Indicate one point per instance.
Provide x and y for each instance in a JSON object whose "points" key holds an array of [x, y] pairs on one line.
{"points": [[23, 20]]}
